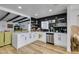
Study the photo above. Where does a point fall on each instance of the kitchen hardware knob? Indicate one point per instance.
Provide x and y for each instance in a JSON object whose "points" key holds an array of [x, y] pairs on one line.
{"points": [[25, 38], [59, 38]]}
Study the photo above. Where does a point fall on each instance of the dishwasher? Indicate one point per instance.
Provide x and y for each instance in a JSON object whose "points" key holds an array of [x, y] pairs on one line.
{"points": [[50, 38]]}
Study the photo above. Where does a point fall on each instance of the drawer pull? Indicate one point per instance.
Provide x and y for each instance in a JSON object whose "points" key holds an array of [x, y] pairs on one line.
{"points": [[25, 38]]}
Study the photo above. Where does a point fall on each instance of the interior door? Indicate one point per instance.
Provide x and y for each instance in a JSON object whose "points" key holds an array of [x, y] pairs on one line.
{"points": [[1, 38], [8, 38]]}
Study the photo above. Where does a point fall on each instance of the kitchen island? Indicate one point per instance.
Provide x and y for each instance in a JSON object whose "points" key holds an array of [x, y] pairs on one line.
{"points": [[20, 39]]}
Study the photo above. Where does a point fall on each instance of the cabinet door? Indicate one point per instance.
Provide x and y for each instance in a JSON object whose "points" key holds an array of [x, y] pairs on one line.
{"points": [[60, 39], [64, 40], [57, 39], [8, 38], [42, 37], [1, 38], [33, 36], [22, 40]]}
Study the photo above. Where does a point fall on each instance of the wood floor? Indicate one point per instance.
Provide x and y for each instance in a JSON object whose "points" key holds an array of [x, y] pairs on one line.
{"points": [[36, 47]]}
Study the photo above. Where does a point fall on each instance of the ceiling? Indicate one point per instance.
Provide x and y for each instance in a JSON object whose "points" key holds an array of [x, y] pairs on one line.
{"points": [[37, 10], [10, 17]]}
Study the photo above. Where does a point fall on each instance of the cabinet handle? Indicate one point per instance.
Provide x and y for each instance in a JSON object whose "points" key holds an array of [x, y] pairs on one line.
{"points": [[25, 38], [30, 36], [39, 35], [59, 38]]}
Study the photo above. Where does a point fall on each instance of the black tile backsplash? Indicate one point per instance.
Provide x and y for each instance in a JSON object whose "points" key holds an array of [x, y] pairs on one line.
{"points": [[60, 18]]}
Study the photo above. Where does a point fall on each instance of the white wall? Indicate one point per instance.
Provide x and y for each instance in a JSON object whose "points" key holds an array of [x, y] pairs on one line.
{"points": [[72, 19], [24, 25], [3, 26]]}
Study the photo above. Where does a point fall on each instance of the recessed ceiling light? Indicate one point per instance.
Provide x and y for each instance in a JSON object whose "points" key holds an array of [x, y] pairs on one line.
{"points": [[50, 10], [36, 14], [19, 7]]}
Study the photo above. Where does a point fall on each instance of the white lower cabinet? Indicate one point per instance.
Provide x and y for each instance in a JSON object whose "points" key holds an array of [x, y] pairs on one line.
{"points": [[60, 39], [33, 36], [41, 36], [21, 39]]}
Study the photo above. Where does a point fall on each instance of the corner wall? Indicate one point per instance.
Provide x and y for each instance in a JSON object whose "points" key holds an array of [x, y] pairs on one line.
{"points": [[72, 19]]}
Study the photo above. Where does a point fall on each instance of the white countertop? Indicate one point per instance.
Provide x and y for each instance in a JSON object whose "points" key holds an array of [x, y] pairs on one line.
{"points": [[49, 32], [38, 32]]}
